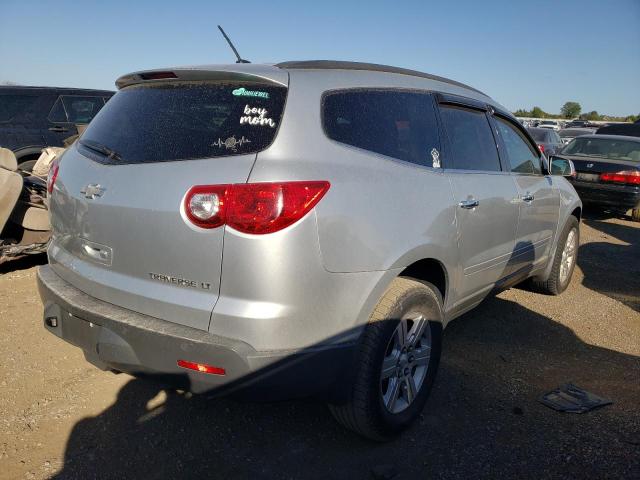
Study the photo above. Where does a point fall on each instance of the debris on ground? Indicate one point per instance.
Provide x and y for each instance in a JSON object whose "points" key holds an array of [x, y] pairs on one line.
{"points": [[572, 399]]}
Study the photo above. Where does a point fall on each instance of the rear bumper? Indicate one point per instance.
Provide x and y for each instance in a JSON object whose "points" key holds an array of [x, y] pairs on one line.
{"points": [[619, 197], [116, 338]]}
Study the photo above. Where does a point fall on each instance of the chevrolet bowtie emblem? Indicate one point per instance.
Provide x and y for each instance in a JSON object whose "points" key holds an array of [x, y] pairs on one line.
{"points": [[92, 191]]}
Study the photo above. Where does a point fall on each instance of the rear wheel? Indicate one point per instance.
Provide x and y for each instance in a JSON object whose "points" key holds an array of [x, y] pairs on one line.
{"points": [[397, 361], [564, 261]]}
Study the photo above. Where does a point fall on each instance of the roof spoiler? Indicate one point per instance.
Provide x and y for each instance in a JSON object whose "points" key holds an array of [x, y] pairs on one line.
{"points": [[230, 73]]}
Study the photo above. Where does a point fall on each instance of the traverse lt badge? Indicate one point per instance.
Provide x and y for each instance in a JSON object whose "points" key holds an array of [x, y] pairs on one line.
{"points": [[92, 191]]}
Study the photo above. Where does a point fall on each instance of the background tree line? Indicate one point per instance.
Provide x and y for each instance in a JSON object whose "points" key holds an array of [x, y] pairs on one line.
{"points": [[573, 110]]}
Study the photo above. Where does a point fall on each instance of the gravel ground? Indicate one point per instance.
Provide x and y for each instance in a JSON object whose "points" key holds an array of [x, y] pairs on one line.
{"points": [[59, 416]]}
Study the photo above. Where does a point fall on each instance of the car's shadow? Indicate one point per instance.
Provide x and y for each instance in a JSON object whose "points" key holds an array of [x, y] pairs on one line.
{"points": [[482, 419], [612, 268], [22, 263]]}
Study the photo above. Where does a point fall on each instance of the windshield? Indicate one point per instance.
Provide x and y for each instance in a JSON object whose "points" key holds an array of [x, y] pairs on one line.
{"points": [[547, 122], [604, 147], [184, 120]]}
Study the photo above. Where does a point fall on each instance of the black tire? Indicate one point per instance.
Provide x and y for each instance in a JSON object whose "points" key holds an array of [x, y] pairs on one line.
{"points": [[635, 214], [554, 284], [365, 412]]}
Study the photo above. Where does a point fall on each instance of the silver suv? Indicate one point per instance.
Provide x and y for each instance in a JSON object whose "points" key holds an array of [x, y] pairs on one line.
{"points": [[300, 229]]}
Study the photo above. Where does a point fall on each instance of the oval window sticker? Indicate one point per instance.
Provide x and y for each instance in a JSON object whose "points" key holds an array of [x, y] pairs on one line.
{"points": [[243, 92]]}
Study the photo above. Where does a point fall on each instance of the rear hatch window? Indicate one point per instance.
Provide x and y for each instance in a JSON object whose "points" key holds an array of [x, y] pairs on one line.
{"points": [[183, 121]]}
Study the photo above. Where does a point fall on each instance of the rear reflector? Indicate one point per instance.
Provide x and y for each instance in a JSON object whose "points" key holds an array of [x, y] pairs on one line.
{"points": [[157, 75], [255, 208], [53, 175], [631, 177], [201, 367]]}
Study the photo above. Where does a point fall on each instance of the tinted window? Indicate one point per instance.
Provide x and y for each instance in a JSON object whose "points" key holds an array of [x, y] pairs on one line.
{"points": [[575, 132], [57, 113], [179, 121], [538, 134], [13, 105], [81, 109], [603, 147], [471, 139], [522, 157], [398, 124]]}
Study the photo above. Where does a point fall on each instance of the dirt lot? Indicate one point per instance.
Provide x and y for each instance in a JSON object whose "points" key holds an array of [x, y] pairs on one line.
{"points": [[60, 416]]}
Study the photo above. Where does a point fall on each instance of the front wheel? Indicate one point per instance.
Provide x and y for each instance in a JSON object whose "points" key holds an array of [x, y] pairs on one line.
{"points": [[397, 361], [564, 261]]}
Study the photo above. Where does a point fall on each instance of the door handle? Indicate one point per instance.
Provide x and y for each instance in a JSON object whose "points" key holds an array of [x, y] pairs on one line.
{"points": [[58, 129], [469, 203], [527, 197]]}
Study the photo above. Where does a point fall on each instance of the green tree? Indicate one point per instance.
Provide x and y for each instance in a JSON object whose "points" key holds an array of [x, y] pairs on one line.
{"points": [[521, 112], [537, 112], [570, 110], [593, 115]]}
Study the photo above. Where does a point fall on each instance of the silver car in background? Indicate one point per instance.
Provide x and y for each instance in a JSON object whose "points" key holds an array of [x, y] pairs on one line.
{"points": [[300, 229]]}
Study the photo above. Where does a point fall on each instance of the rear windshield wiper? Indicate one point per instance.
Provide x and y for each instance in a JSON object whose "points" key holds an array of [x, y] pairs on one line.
{"points": [[103, 149]]}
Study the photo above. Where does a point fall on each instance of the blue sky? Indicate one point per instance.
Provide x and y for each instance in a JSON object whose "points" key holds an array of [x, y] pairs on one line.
{"points": [[522, 53]]}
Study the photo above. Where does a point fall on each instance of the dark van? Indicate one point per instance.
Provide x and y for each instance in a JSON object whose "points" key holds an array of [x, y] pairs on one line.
{"points": [[32, 118]]}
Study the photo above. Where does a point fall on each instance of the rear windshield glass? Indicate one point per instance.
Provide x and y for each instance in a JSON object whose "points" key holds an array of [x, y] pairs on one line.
{"points": [[181, 121], [538, 134], [603, 147], [574, 132]]}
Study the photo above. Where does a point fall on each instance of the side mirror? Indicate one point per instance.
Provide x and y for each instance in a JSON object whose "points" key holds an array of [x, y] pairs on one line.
{"points": [[562, 166]]}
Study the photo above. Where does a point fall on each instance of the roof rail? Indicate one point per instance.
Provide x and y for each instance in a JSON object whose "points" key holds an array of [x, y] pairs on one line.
{"points": [[371, 67]]}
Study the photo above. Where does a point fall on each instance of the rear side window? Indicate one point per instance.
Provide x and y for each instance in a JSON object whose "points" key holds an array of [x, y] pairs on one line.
{"points": [[12, 105], [472, 143], [397, 124], [522, 157], [185, 120]]}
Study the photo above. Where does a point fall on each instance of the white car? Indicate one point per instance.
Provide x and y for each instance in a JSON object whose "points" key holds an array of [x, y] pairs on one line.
{"points": [[553, 125]]}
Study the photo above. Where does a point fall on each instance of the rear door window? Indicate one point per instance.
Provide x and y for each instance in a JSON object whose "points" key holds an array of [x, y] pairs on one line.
{"points": [[185, 120], [398, 124], [522, 157], [472, 143]]}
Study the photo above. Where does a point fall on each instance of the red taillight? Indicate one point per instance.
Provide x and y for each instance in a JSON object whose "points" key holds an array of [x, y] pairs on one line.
{"points": [[541, 147], [256, 208], [53, 175], [202, 367], [627, 176]]}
